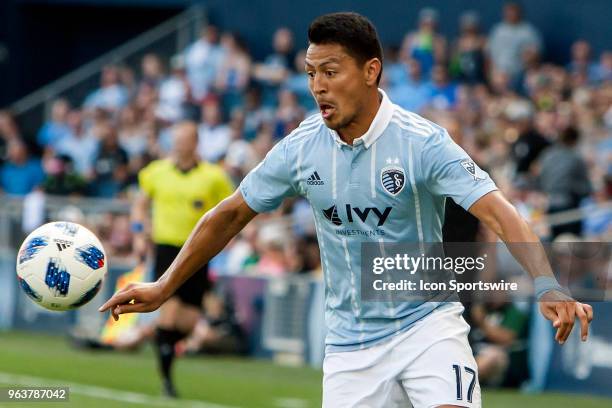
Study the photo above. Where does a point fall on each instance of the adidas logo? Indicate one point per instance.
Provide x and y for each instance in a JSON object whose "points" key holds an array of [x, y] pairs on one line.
{"points": [[314, 180], [61, 244], [332, 214]]}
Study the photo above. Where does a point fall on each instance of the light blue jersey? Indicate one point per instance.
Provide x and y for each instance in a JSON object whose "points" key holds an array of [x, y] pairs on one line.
{"points": [[390, 186]]}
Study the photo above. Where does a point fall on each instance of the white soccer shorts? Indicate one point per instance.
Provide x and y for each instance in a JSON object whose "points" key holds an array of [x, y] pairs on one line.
{"points": [[429, 365]]}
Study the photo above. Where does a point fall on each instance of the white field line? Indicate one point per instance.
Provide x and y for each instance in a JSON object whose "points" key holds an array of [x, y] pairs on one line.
{"points": [[291, 403], [105, 393]]}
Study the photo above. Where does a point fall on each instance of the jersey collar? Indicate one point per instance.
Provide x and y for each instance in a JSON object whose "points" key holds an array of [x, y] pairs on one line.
{"points": [[378, 125]]}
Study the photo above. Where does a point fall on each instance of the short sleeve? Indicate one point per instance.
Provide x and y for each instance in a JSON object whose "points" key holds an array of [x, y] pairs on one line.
{"points": [[450, 172], [268, 184], [146, 179]]}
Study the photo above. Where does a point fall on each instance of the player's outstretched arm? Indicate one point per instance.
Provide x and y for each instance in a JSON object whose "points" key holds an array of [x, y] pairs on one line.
{"points": [[210, 235], [501, 216]]}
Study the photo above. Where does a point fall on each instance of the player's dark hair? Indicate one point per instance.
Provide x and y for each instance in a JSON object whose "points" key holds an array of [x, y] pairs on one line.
{"points": [[352, 31]]}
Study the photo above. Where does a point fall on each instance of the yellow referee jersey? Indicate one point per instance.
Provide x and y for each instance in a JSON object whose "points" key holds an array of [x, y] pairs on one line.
{"points": [[179, 198]]}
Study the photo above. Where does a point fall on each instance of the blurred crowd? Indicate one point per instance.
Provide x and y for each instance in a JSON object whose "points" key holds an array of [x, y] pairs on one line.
{"points": [[543, 131]]}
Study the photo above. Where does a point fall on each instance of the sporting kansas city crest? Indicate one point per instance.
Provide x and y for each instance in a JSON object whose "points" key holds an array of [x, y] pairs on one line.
{"points": [[393, 177]]}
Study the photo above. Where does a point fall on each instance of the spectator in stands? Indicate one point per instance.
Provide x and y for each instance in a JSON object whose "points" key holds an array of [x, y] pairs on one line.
{"points": [[601, 110], [217, 330], [152, 70], [234, 72], [564, 178], [468, 60], [132, 133], [174, 93], [9, 131], [154, 148], [271, 245], [264, 140], [57, 128], [240, 159], [425, 44], [469, 113], [80, 146], [127, 79], [500, 87], [602, 150], [603, 70], [498, 337], [145, 100], [120, 239], [529, 143], [581, 61], [535, 76], [413, 94], [598, 221], [112, 95], [202, 61], [297, 82], [214, 136], [241, 252], [308, 249], [254, 112], [509, 39], [275, 68], [545, 123], [20, 174], [395, 73], [110, 164], [61, 178], [288, 113], [442, 91], [236, 124], [135, 137]]}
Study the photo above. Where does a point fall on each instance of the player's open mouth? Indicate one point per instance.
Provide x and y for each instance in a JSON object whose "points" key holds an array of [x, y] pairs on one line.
{"points": [[326, 110]]}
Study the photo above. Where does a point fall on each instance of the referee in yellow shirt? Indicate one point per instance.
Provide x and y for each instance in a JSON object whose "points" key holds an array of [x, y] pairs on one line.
{"points": [[178, 190]]}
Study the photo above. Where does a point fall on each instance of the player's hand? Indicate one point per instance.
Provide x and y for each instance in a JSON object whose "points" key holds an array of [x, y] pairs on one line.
{"points": [[562, 311], [135, 298]]}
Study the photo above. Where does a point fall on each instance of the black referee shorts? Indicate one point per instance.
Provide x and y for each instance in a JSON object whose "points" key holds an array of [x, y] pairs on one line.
{"points": [[193, 289]]}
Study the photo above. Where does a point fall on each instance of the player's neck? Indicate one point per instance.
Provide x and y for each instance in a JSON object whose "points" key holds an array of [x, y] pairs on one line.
{"points": [[360, 125], [185, 164]]}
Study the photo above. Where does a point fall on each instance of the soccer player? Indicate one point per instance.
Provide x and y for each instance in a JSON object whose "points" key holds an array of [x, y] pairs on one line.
{"points": [[372, 172], [180, 190]]}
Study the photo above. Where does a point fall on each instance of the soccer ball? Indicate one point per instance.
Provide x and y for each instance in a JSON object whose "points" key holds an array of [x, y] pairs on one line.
{"points": [[61, 265]]}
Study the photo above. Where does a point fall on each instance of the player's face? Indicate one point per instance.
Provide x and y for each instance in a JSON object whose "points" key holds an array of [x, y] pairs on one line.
{"points": [[338, 83], [185, 140]]}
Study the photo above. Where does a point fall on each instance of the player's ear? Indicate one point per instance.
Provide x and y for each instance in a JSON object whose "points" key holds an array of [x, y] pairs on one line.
{"points": [[371, 70]]}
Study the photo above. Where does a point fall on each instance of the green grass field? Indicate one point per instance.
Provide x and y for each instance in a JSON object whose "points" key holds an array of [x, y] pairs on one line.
{"points": [[107, 379]]}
